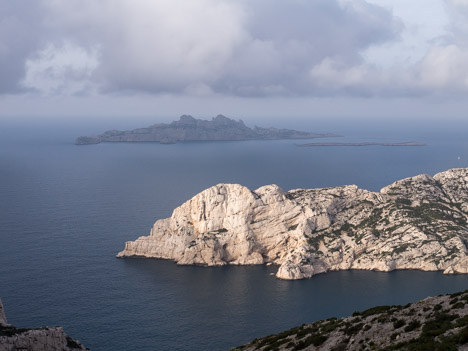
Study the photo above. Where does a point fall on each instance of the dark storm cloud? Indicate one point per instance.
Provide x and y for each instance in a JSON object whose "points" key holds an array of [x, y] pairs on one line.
{"points": [[20, 37], [206, 47], [290, 38]]}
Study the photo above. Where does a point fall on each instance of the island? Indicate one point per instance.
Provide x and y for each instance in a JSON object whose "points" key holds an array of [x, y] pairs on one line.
{"points": [[415, 223], [407, 143], [187, 128], [435, 323], [34, 339]]}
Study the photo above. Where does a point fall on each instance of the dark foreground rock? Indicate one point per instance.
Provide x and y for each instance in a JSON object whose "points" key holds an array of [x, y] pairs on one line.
{"points": [[37, 339], [435, 323]]}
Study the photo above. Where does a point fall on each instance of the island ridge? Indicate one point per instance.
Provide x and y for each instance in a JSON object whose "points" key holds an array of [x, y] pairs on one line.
{"points": [[414, 223], [188, 128]]}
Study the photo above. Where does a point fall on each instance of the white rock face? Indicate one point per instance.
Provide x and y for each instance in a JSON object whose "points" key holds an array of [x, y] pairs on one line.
{"points": [[40, 339], [414, 223], [3, 320]]}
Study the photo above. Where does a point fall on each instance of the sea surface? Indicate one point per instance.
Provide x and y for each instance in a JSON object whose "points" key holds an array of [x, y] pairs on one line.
{"points": [[66, 210]]}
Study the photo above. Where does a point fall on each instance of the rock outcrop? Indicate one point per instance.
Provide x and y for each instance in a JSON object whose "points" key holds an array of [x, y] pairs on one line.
{"points": [[435, 323], [414, 223], [38, 339], [188, 128]]}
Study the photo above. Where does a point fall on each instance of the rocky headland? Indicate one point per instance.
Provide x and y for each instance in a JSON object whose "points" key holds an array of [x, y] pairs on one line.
{"points": [[414, 223], [187, 128], [407, 143], [435, 323], [37, 339]]}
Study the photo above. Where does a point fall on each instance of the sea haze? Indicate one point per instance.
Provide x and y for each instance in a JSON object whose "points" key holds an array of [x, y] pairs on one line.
{"points": [[66, 210]]}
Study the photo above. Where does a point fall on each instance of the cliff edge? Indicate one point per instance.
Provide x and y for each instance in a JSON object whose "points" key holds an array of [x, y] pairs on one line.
{"points": [[38, 339], [414, 223], [435, 323]]}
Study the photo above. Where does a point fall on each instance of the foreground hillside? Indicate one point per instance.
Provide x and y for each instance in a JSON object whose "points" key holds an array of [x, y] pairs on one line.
{"points": [[34, 339], [433, 324], [415, 223]]}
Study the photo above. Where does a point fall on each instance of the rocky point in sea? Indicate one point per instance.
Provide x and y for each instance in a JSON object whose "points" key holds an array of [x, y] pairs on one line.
{"points": [[415, 223]]}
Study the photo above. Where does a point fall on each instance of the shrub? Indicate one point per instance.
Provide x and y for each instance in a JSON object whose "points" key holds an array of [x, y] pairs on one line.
{"points": [[398, 323], [412, 326]]}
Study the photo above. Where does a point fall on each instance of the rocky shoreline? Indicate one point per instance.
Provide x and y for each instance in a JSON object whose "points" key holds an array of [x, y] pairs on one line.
{"points": [[435, 323], [34, 339], [408, 143], [414, 223]]}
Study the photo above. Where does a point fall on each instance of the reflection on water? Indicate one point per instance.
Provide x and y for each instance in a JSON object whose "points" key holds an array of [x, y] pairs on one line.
{"points": [[226, 306]]}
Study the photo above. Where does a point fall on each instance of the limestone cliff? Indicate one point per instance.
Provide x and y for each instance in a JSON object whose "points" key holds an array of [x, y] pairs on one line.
{"points": [[414, 223], [38, 339]]}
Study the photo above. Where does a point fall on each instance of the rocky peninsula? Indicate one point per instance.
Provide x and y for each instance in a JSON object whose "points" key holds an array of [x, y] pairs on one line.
{"points": [[37, 339], [414, 223], [408, 143], [187, 128], [435, 323]]}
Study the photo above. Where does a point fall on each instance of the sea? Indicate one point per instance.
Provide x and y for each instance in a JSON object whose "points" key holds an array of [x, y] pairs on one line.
{"points": [[67, 210]]}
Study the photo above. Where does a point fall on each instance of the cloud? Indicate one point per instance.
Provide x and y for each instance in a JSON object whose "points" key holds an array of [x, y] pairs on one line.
{"points": [[222, 47], [19, 38], [64, 69], [154, 45], [290, 38], [444, 68]]}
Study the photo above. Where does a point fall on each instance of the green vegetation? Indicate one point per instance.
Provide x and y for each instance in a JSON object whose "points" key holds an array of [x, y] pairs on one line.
{"points": [[351, 329], [372, 220], [401, 202], [11, 331], [315, 241], [400, 249], [398, 323], [379, 309], [314, 339], [293, 227], [438, 328], [414, 324], [72, 344]]}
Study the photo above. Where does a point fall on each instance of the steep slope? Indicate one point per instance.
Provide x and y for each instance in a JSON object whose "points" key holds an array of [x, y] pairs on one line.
{"points": [[37, 339], [435, 323], [415, 223]]}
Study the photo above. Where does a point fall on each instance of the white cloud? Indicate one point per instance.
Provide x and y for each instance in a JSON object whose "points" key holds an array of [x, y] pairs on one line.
{"points": [[65, 69], [156, 45], [445, 69], [207, 46], [239, 48]]}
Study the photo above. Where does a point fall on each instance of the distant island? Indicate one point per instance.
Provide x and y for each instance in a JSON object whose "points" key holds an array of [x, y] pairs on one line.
{"points": [[187, 128], [409, 143], [414, 223]]}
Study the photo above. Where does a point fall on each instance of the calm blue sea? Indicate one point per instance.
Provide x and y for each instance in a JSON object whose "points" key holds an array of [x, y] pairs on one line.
{"points": [[66, 210]]}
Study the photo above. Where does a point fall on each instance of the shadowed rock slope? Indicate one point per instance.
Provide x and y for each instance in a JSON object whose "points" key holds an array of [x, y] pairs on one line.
{"points": [[188, 128], [435, 323], [414, 223], [38, 339]]}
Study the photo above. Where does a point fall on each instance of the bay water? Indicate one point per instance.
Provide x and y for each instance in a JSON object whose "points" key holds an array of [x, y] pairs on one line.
{"points": [[66, 210]]}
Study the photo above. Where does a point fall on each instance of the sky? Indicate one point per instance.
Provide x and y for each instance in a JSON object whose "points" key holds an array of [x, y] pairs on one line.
{"points": [[379, 59]]}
